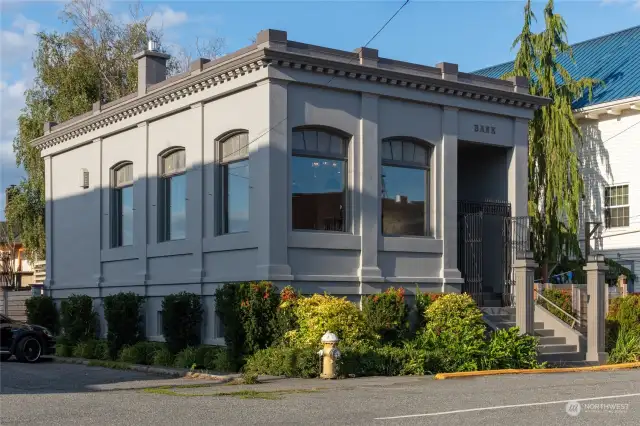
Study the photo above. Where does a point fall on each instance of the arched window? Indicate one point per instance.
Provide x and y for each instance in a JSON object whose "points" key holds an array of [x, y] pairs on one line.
{"points": [[234, 181], [319, 174], [172, 195], [405, 184], [122, 205]]}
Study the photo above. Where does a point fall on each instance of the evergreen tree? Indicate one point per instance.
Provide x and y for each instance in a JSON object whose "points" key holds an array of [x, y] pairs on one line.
{"points": [[555, 183]]}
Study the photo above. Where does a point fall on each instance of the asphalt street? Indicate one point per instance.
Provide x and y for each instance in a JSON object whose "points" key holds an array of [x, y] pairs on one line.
{"points": [[67, 394]]}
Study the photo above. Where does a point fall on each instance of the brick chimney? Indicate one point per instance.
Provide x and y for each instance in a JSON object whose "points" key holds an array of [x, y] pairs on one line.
{"points": [[152, 67]]}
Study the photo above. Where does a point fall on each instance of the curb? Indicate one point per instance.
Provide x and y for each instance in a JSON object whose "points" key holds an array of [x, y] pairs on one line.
{"points": [[609, 367], [170, 372]]}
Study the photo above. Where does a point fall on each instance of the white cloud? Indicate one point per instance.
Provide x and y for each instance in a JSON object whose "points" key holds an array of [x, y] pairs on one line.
{"points": [[17, 43], [165, 17]]}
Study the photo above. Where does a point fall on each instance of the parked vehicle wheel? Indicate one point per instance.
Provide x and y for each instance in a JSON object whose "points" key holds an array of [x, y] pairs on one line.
{"points": [[29, 349], [5, 357]]}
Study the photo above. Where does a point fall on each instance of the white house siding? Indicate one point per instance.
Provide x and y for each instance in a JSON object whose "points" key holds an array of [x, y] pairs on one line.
{"points": [[610, 155]]}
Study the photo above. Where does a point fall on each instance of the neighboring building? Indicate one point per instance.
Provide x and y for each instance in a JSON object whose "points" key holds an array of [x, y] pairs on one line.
{"points": [[270, 164], [610, 150], [15, 269]]}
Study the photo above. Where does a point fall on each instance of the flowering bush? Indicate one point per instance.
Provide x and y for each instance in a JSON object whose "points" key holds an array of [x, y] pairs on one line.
{"points": [[560, 298], [423, 301], [386, 314], [319, 313], [285, 319]]}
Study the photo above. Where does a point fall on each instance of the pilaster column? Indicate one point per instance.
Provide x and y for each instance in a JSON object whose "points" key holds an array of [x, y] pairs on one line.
{"points": [[140, 203], [195, 192], [596, 298], [369, 176], [518, 169], [48, 225], [447, 169], [524, 270], [269, 218]]}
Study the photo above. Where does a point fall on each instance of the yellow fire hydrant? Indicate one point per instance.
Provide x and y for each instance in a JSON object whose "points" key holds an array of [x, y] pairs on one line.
{"points": [[329, 354]]}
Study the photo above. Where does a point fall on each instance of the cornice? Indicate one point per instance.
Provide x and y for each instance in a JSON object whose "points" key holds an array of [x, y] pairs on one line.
{"points": [[251, 60]]}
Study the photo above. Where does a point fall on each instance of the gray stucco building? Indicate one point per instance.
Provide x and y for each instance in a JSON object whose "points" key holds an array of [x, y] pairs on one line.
{"points": [[335, 171]]}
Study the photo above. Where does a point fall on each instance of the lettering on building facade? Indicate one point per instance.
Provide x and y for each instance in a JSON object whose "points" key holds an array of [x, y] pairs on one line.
{"points": [[481, 128]]}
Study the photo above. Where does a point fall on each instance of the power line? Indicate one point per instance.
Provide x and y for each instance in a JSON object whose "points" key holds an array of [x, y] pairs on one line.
{"points": [[621, 132], [330, 80]]}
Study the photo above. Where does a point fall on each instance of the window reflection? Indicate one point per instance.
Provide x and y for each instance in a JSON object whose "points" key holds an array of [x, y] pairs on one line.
{"points": [[177, 200], [126, 215], [236, 197], [319, 193]]}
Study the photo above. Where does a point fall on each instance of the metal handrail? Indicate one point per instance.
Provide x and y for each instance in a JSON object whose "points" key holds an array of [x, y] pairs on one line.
{"points": [[573, 324]]}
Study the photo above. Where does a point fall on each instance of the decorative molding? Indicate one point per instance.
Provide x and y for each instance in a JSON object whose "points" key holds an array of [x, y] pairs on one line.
{"points": [[245, 64]]}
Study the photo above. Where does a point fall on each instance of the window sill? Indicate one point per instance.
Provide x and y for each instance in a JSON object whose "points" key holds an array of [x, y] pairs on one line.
{"points": [[228, 242], [324, 240], [169, 248], [118, 253], [411, 244]]}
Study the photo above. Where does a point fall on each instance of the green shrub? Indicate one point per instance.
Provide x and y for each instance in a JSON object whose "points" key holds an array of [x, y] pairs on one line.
{"points": [[78, 319], [140, 353], [321, 313], [386, 314], [181, 319], [219, 361], [283, 361], [368, 360], [89, 349], [248, 314], [101, 350], [507, 348], [454, 332], [285, 314], [627, 347], [206, 353], [163, 357], [422, 302], [186, 358], [41, 310], [627, 313], [560, 298], [64, 349], [123, 313]]}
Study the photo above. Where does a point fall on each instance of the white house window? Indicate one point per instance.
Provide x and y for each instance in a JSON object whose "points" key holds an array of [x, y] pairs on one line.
{"points": [[319, 180], [234, 180], [122, 206], [616, 206], [172, 196], [405, 187]]}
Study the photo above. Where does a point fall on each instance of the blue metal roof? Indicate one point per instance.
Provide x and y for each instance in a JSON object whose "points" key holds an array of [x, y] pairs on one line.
{"points": [[612, 58]]}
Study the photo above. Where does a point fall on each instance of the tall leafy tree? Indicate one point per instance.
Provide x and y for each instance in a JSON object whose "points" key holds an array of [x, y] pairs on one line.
{"points": [[555, 183], [91, 61]]}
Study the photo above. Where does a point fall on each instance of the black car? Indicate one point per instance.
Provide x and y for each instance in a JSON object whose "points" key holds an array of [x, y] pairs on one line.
{"points": [[27, 342]]}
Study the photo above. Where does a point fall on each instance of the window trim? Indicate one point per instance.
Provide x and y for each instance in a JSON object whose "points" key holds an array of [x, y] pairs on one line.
{"points": [[607, 208], [430, 148], [348, 203], [222, 225], [164, 231], [116, 203]]}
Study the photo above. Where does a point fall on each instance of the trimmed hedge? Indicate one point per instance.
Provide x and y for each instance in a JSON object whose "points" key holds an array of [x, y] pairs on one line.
{"points": [[41, 310], [123, 313], [78, 319], [181, 320], [387, 314]]}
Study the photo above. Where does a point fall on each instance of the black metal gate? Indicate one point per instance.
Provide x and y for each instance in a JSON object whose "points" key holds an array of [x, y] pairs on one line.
{"points": [[515, 238], [470, 260]]}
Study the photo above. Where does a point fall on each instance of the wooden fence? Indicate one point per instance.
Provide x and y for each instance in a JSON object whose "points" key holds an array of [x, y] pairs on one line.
{"points": [[12, 303]]}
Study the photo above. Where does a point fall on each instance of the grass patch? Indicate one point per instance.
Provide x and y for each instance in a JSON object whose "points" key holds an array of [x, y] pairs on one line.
{"points": [[243, 394]]}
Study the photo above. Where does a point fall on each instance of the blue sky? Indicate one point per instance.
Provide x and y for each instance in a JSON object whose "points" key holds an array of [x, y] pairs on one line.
{"points": [[474, 34]]}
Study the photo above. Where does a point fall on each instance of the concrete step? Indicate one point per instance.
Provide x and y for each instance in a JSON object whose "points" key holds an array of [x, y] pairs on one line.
{"points": [[558, 357], [552, 341], [508, 324], [492, 303], [501, 318], [550, 349], [545, 332], [487, 310]]}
